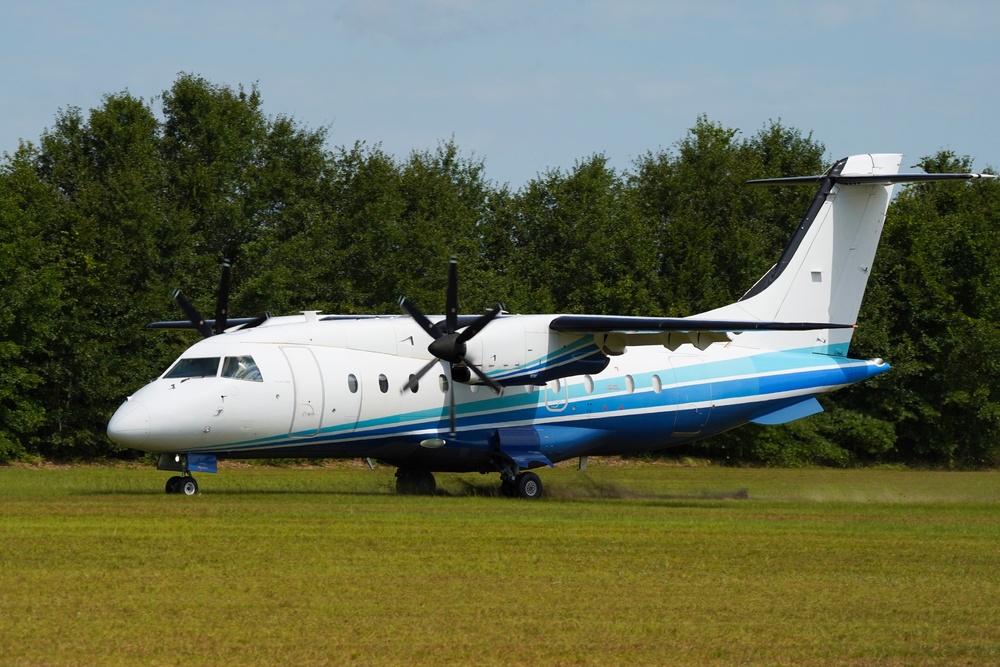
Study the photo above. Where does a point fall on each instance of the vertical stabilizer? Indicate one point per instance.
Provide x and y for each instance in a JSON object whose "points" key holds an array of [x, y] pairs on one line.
{"points": [[822, 274]]}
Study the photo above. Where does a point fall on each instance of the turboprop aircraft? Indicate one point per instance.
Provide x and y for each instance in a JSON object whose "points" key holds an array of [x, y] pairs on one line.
{"points": [[503, 393]]}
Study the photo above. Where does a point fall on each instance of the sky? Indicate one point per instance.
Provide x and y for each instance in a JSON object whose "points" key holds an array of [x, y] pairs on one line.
{"points": [[529, 86]]}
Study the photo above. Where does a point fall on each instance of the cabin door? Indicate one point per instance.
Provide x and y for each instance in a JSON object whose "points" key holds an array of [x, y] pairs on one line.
{"points": [[694, 395], [307, 416]]}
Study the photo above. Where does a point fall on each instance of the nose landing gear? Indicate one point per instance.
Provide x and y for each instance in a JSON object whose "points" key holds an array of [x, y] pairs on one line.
{"points": [[183, 484]]}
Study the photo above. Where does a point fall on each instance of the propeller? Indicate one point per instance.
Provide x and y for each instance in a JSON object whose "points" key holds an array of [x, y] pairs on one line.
{"points": [[221, 306], [448, 343]]}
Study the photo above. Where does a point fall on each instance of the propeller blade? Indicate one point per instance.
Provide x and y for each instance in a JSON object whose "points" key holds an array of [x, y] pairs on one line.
{"points": [[222, 298], [196, 319], [412, 382], [420, 318], [478, 324], [453, 429], [451, 301], [485, 378]]}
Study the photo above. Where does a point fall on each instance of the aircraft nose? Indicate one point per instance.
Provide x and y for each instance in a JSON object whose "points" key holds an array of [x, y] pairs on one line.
{"points": [[130, 424]]}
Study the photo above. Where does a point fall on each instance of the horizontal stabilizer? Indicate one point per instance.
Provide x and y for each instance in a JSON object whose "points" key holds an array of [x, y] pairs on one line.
{"points": [[790, 413], [868, 179]]}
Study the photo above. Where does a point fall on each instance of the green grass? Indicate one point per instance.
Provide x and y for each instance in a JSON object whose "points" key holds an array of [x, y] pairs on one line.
{"points": [[621, 564]]}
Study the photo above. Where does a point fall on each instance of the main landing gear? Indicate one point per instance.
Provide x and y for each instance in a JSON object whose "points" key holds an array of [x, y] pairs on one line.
{"points": [[182, 484], [421, 483], [526, 485], [415, 482]]}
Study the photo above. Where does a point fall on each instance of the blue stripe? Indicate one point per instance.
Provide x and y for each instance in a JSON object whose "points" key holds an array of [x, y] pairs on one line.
{"points": [[698, 383]]}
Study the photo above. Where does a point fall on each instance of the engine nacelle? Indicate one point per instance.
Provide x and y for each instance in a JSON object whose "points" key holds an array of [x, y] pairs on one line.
{"points": [[524, 351]]}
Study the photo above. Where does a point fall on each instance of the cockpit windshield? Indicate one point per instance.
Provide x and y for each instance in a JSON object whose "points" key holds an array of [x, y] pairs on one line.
{"points": [[241, 368], [194, 368]]}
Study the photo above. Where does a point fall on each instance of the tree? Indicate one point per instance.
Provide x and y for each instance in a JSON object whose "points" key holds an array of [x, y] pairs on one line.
{"points": [[33, 298], [112, 235], [580, 243], [931, 310], [715, 235]]}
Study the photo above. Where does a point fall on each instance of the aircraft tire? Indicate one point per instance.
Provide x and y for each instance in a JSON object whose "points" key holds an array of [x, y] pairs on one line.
{"points": [[424, 484], [188, 486], [529, 486], [415, 482], [174, 484]]}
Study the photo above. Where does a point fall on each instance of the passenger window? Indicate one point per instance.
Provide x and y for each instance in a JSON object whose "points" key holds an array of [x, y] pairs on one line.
{"points": [[629, 384], [241, 368], [657, 384], [194, 368], [415, 386], [443, 383], [383, 383], [352, 383]]}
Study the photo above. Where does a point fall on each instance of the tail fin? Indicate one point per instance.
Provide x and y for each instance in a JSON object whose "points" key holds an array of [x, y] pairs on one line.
{"points": [[822, 274]]}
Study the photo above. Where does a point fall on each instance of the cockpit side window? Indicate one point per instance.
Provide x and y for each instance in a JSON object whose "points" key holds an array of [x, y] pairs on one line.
{"points": [[194, 368], [241, 368]]}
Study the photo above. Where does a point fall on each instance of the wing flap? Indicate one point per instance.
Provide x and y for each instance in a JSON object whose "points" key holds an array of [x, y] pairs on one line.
{"points": [[671, 332]]}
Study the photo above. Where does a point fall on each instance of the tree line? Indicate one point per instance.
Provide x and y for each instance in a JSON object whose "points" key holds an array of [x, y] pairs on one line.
{"points": [[111, 209]]}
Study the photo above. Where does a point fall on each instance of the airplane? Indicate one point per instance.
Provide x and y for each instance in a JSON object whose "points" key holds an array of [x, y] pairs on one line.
{"points": [[506, 393]]}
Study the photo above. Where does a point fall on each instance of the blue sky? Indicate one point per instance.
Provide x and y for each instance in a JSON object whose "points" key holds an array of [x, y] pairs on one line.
{"points": [[532, 85]]}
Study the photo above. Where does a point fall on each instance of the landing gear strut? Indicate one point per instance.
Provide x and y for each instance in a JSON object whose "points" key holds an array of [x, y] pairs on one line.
{"points": [[415, 482]]}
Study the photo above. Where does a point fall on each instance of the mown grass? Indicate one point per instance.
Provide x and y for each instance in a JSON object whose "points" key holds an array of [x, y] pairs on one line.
{"points": [[634, 564]]}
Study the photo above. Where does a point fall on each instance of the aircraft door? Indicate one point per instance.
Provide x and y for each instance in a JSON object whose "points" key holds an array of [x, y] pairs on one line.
{"points": [[307, 416], [693, 395]]}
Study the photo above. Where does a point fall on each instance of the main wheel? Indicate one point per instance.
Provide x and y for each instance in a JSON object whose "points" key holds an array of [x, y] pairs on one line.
{"points": [[415, 482], [508, 489], [404, 483], [529, 486], [174, 484], [424, 484], [188, 486]]}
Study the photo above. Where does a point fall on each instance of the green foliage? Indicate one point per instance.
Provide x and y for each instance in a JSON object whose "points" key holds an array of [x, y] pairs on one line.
{"points": [[932, 309], [117, 206], [714, 236]]}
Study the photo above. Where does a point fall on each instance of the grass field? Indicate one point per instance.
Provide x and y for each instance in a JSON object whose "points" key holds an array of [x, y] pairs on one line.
{"points": [[622, 564]]}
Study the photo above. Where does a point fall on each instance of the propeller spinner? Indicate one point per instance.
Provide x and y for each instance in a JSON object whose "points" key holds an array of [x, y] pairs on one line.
{"points": [[449, 344]]}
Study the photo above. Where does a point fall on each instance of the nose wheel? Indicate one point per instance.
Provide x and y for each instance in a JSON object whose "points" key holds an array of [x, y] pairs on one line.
{"points": [[185, 485]]}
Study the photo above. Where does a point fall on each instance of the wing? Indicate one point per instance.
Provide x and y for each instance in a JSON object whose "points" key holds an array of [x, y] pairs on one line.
{"points": [[187, 324], [672, 332]]}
